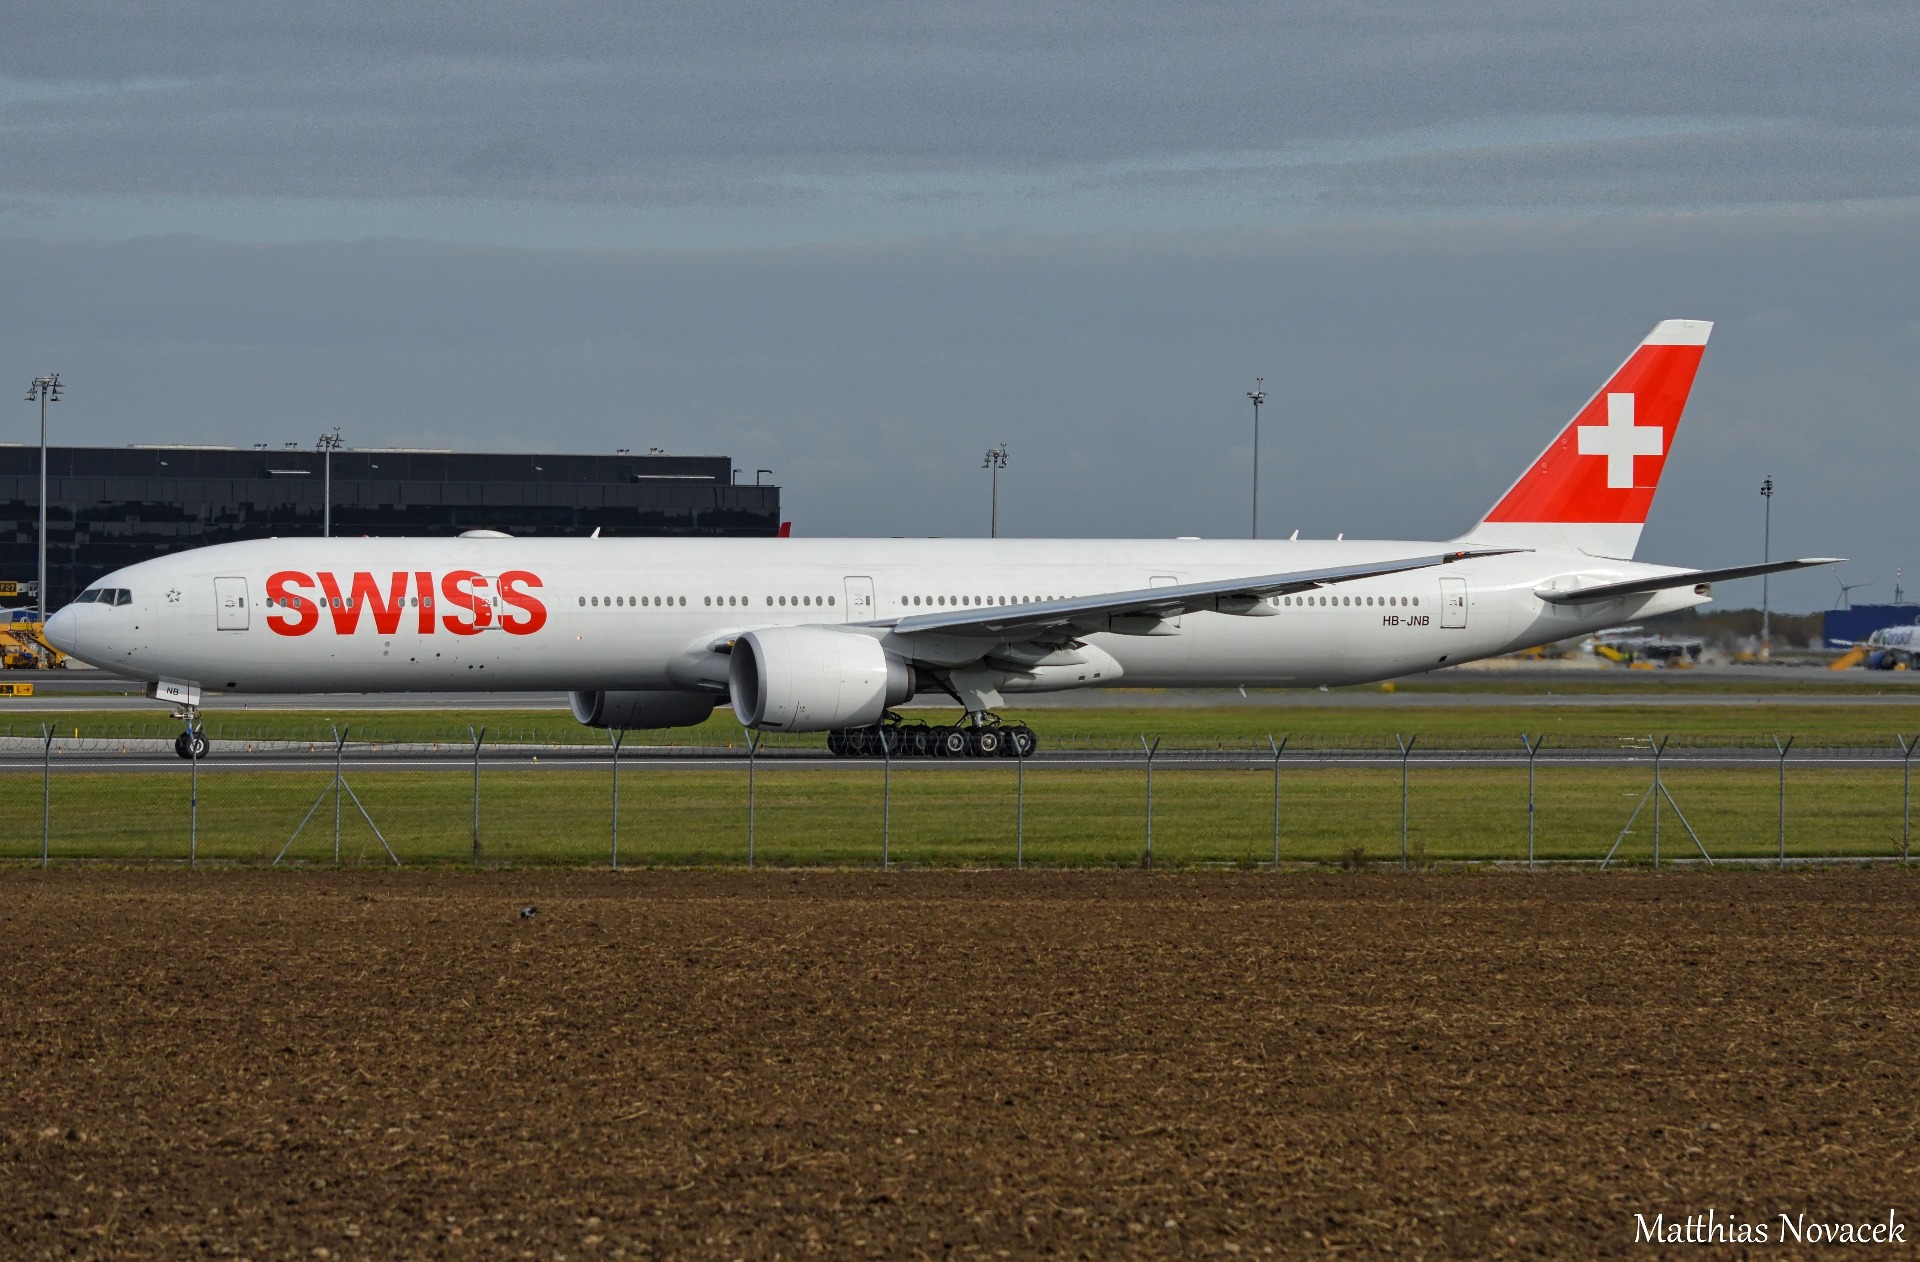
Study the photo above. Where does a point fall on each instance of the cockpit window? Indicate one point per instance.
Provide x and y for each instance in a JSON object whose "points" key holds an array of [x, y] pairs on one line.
{"points": [[87, 597], [121, 596]]}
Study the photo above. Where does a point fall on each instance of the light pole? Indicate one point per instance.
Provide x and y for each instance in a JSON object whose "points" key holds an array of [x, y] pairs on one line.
{"points": [[45, 388], [996, 460], [328, 443], [1766, 556], [1259, 396]]}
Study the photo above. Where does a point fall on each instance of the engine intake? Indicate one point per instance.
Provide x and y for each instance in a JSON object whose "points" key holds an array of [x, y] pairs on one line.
{"points": [[640, 709], [810, 679]]}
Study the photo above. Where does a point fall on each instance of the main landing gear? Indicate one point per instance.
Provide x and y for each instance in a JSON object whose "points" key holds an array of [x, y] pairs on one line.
{"points": [[978, 736]]}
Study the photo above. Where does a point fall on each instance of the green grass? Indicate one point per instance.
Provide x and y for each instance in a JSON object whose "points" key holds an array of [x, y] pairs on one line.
{"points": [[953, 815], [1092, 727]]}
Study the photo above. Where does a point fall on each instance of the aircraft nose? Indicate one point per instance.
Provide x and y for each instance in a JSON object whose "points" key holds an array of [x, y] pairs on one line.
{"points": [[60, 631]]}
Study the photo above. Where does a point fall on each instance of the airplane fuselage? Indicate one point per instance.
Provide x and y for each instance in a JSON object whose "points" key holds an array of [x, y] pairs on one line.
{"points": [[501, 614]]}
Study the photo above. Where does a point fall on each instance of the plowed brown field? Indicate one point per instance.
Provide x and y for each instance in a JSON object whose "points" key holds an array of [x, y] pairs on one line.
{"points": [[1096, 1065]]}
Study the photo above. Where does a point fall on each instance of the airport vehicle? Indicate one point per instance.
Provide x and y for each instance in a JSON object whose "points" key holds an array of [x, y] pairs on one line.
{"points": [[1622, 645], [21, 644], [832, 634]]}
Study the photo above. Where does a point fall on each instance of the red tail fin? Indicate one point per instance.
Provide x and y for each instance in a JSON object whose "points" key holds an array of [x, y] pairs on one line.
{"points": [[786, 530], [1593, 486]]}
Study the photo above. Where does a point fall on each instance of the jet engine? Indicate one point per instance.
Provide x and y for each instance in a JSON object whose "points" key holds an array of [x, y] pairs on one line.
{"points": [[810, 679], [640, 709]]}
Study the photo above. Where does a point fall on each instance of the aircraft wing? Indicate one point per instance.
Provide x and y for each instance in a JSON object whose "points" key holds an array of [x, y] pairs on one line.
{"points": [[1680, 578], [1087, 614]]}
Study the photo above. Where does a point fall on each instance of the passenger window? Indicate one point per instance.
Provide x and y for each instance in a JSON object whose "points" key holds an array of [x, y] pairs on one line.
{"points": [[829, 600], [583, 602]]}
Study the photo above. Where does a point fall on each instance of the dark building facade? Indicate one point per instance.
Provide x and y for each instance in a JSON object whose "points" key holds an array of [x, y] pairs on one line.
{"points": [[112, 506]]}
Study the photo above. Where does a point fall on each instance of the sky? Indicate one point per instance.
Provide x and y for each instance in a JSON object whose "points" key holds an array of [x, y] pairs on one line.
{"points": [[858, 244]]}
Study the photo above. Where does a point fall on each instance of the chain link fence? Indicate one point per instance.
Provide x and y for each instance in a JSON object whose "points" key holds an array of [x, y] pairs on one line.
{"points": [[476, 799]]}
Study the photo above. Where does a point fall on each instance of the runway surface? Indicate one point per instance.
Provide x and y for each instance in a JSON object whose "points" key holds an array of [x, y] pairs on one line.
{"points": [[1724, 686]]}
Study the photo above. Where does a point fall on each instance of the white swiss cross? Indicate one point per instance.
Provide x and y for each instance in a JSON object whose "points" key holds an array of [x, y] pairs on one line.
{"points": [[1620, 440]]}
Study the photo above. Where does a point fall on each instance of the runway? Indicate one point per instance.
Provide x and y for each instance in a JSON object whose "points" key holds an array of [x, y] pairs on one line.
{"points": [[1476, 687]]}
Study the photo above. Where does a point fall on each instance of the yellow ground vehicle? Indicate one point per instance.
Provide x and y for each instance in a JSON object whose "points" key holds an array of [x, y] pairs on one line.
{"points": [[22, 646]]}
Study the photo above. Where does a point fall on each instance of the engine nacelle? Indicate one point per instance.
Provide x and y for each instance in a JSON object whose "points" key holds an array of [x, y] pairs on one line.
{"points": [[810, 679], [640, 709]]}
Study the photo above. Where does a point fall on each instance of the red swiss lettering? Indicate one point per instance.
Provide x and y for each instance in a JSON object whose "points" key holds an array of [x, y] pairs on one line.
{"points": [[459, 597], [291, 614], [365, 597], [423, 584], [536, 613]]}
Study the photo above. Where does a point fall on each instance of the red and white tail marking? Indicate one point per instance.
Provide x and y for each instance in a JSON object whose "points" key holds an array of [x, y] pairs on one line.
{"points": [[1593, 486]]}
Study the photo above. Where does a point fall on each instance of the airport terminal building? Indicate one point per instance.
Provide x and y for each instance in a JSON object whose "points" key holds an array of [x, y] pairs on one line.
{"points": [[109, 507]]}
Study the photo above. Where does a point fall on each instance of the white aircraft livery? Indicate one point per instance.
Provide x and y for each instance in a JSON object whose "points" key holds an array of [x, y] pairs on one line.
{"points": [[808, 635]]}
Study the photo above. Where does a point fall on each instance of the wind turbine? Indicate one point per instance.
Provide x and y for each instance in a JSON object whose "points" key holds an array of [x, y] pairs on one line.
{"points": [[1846, 591]]}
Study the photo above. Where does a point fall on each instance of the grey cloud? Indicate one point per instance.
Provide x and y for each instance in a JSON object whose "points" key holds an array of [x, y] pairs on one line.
{"points": [[1413, 369], [622, 103]]}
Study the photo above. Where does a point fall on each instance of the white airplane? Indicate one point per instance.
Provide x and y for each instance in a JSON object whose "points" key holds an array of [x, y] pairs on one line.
{"points": [[807, 635]]}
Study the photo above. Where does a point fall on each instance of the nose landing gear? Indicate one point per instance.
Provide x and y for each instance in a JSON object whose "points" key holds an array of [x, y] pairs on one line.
{"points": [[192, 743]]}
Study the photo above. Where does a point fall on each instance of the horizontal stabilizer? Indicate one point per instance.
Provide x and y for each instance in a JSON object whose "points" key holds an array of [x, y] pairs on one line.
{"points": [[1678, 578]]}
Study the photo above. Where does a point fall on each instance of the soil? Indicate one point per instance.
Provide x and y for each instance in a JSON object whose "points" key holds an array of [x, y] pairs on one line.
{"points": [[951, 1064]]}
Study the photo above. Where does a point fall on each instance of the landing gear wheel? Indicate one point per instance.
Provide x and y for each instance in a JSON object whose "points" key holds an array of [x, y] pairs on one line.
{"points": [[1018, 741], [837, 743], [950, 742], [984, 742], [192, 744]]}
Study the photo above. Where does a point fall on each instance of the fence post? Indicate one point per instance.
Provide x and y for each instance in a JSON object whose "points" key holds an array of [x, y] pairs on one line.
{"points": [[616, 735], [476, 738], [1276, 795], [1659, 747], [1783, 795], [1147, 859], [1019, 806], [1533, 752], [193, 800], [1907, 748], [753, 750], [886, 800], [1406, 751], [339, 748], [46, 792]]}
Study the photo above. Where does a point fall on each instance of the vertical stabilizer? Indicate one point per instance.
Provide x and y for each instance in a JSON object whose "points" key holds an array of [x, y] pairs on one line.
{"points": [[1592, 488]]}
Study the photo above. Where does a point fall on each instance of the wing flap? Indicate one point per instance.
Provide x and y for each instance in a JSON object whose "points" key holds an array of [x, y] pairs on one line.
{"points": [[1093, 613]]}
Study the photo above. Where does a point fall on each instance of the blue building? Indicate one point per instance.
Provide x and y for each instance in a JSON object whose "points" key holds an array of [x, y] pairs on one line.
{"points": [[1862, 621]]}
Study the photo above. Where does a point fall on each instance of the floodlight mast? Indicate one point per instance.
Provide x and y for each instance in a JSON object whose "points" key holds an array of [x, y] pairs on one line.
{"points": [[996, 460], [1259, 395], [328, 444], [46, 389], [1766, 555]]}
